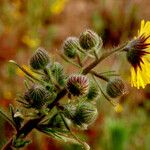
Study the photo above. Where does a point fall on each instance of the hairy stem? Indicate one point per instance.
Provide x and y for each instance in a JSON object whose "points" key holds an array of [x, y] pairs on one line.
{"points": [[103, 56], [99, 75]]}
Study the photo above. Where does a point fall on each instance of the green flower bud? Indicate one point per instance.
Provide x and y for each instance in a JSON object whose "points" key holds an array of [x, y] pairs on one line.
{"points": [[115, 88], [40, 59], [69, 110], [71, 46], [86, 114], [89, 39], [93, 92], [36, 96], [78, 85], [58, 73], [56, 122]]}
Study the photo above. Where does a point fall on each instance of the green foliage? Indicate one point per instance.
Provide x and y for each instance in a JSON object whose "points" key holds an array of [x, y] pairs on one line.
{"points": [[118, 134]]}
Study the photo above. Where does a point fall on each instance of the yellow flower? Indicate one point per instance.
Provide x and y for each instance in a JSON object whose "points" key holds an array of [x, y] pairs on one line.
{"points": [[57, 6], [7, 94], [138, 51], [118, 108], [31, 42]]}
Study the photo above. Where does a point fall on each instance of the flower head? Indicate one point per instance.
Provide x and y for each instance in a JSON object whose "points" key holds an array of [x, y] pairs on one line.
{"points": [[115, 88], [89, 39], [138, 51], [78, 85], [40, 59]]}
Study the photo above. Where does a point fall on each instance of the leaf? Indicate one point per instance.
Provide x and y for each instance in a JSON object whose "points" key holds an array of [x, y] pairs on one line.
{"points": [[58, 135], [7, 118]]}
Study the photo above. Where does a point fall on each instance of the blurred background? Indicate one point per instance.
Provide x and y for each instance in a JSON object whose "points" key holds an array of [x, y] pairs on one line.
{"points": [[27, 24]]}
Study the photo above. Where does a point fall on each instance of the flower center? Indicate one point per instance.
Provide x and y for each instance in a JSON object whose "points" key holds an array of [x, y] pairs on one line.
{"points": [[136, 49]]}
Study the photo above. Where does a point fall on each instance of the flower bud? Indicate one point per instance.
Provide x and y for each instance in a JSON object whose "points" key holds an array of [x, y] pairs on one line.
{"points": [[40, 59], [93, 92], [70, 110], [78, 85], [58, 73], [56, 122], [115, 88], [86, 114], [71, 46], [36, 96], [89, 39]]}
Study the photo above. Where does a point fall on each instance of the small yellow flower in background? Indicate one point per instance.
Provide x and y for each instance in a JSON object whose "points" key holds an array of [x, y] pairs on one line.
{"points": [[118, 108], [7, 94], [138, 55], [58, 6], [31, 42], [22, 74]]}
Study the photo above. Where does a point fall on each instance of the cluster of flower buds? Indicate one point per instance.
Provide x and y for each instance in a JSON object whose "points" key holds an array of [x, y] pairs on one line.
{"points": [[88, 40], [44, 92]]}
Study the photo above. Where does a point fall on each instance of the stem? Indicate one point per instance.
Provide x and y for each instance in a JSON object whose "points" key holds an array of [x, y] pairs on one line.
{"points": [[103, 56], [69, 61], [79, 61], [85, 53], [106, 97], [48, 73], [60, 95], [99, 76], [26, 72], [25, 130], [95, 54]]}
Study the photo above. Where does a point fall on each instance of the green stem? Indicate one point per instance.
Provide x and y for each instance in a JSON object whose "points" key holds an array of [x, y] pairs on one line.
{"points": [[103, 56], [48, 73], [26, 72], [79, 61], [106, 97], [85, 53], [99, 75], [95, 54], [69, 61]]}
